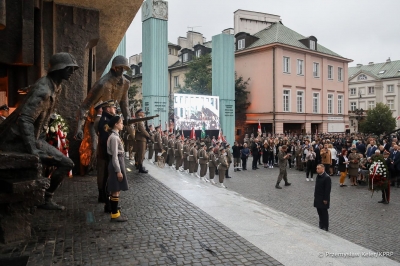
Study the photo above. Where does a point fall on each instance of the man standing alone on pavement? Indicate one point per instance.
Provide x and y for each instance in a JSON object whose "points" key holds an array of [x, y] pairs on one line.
{"points": [[282, 163], [322, 195]]}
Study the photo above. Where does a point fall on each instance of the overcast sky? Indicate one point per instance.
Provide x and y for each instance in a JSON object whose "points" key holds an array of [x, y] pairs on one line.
{"points": [[361, 30]]}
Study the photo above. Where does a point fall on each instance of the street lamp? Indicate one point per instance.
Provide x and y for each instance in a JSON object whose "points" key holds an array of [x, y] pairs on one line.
{"points": [[359, 116]]}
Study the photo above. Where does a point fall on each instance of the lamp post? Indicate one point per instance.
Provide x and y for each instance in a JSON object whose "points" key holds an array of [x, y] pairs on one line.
{"points": [[359, 116]]}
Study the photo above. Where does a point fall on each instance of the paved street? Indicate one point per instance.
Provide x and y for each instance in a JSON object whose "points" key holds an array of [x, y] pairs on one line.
{"points": [[163, 229], [353, 214]]}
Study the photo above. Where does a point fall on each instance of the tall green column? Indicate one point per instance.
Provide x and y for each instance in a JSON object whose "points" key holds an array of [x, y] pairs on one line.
{"points": [[223, 81], [155, 59]]}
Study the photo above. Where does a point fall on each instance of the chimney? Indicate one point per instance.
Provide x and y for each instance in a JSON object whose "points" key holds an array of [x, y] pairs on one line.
{"points": [[388, 60], [359, 65], [370, 63]]}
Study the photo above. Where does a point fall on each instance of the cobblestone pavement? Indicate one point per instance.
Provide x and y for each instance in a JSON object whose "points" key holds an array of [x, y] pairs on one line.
{"points": [[353, 215], [163, 229]]}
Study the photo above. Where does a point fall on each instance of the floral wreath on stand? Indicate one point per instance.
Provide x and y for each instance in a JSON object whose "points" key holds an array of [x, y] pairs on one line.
{"points": [[57, 134], [378, 175]]}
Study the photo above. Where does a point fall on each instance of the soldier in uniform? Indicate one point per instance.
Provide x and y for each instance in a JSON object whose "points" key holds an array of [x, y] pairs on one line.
{"points": [[212, 162], [282, 163], [112, 86], [178, 153], [222, 166], [207, 141], [165, 145], [25, 129], [193, 159], [186, 148], [171, 150], [157, 142], [141, 136], [203, 161], [150, 144], [246, 140], [252, 139], [4, 112], [229, 159], [131, 144]]}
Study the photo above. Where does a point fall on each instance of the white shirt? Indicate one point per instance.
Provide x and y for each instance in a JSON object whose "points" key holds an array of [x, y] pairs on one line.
{"points": [[333, 153]]}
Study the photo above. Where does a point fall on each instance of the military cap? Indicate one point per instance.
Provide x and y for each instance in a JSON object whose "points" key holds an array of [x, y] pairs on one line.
{"points": [[228, 145], [202, 144], [109, 103], [120, 61], [177, 135], [60, 61], [157, 126], [221, 148], [140, 110], [211, 147], [98, 106], [171, 134], [4, 107], [165, 131]]}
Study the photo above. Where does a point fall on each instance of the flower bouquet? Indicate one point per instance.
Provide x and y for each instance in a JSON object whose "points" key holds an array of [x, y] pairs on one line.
{"points": [[378, 175]]}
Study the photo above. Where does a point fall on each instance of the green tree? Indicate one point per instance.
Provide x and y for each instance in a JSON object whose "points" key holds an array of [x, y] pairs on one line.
{"points": [[241, 98], [133, 90], [378, 120], [198, 79]]}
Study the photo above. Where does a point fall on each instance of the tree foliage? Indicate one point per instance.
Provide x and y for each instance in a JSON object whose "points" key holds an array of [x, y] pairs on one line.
{"points": [[378, 120], [198, 78], [133, 90], [241, 97]]}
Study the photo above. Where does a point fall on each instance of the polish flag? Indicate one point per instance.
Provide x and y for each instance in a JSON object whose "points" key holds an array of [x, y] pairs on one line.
{"points": [[182, 136], [220, 136], [398, 118], [192, 134], [259, 128]]}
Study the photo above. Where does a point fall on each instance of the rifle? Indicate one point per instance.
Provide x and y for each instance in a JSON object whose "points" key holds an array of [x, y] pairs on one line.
{"points": [[135, 120]]}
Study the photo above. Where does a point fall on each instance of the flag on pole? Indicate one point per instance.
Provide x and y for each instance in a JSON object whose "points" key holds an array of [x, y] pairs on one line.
{"points": [[221, 136], [166, 127], [259, 128], [182, 136], [203, 131], [192, 134], [398, 118]]}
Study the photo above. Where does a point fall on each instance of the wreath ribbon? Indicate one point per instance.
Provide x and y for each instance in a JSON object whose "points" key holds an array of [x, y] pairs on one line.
{"points": [[373, 174]]}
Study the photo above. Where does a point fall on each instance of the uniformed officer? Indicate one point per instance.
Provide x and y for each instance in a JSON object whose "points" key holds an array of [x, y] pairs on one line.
{"points": [[282, 163], [222, 166], [229, 159], [141, 136], [4, 112], [171, 151], [212, 162], [164, 138], [203, 161], [186, 148], [192, 158], [157, 142], [178, 153], [150, 144]]}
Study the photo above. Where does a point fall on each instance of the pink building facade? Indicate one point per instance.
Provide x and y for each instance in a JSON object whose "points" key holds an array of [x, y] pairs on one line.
{"points": [[296, 85]]}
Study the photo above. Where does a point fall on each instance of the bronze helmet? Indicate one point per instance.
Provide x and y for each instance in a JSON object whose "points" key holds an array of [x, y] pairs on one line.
{"points": [[120, 61], [62, 60]]}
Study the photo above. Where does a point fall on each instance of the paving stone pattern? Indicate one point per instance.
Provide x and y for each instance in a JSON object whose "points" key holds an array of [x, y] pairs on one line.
{"points": [[163, 229], [353, 215]]}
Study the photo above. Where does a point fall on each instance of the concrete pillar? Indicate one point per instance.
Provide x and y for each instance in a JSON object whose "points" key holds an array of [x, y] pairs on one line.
{"points": [[155, 60], [307, 127], [223, 82], [278, 127]]}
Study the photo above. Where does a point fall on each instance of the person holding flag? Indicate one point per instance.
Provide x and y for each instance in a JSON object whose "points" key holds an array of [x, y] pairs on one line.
{"points": [[192, 134]]}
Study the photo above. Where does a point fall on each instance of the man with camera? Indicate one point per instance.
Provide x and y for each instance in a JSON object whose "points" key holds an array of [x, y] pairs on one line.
{"points": [[282, 163]]}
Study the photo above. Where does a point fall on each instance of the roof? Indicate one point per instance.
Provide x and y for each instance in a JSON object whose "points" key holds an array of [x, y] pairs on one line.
{"points": [[278, 33], [208, 44], [391, 70]]}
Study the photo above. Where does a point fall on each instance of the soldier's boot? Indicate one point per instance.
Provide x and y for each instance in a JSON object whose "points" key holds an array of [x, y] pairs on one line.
{"points": [[278, 186], [287, 183], [101, 199], [212, 181], [142, 169], [49, 204]]}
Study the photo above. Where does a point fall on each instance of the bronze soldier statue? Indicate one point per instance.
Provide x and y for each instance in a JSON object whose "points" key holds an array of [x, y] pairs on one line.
{"points": [[112, 86], [25, 129]]}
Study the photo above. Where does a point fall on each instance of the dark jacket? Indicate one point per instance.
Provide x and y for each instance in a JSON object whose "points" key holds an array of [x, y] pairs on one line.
{"points": [[317, 156], [245, 152], [103, 136], [322, 191], [236, 151], [396, 159], [341, 167], [361, 148], [254, 149]]}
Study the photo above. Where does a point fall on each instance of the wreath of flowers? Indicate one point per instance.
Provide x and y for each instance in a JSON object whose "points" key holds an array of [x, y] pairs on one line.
{"points": [[57, 131], [378, 175]]}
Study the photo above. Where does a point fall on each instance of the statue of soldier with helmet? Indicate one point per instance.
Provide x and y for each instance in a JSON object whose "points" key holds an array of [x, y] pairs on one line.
{"points": [[24, 131]]}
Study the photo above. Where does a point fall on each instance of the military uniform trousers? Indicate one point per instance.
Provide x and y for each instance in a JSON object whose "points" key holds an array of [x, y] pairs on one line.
{"points": [[185, 163], [221, 174], [282, 175], [151, 151], [211, 172], [156, 152], [178, 162], [171, 157], [141, 150], [203, 170], [192, 167]]}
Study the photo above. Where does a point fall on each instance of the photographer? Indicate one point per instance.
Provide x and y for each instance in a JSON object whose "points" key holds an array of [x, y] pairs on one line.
{"points": [[282, 163]]}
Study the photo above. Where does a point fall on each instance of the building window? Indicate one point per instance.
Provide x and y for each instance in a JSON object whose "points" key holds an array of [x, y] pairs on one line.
{"points": [[300, 102], [330, 103], [340, 104], [352, 122], [185, 57], [140, 70], [316, 70], [312, 45], [176, 81], [371, 90], [300, 67], [390, 88], [169, 51], [241, 44], [286, 100], [353, 91], [362, 77], [286, 64], [390, 104], [353, 106], [371, 104], [133, 71], [340, 74], [198, 53], [330, 72], [315, 103]]}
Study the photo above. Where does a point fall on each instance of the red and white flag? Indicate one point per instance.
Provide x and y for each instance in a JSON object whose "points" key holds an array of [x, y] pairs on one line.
{"points": [[259, 128], [398, 118], [221, 136], [192, 134], [182, 136]]}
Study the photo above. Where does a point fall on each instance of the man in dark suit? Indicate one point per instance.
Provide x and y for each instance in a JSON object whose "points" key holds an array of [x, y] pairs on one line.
{"points": [[361, 147], [322, 196], [254, 152], [317, 151], [395, 156]]}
